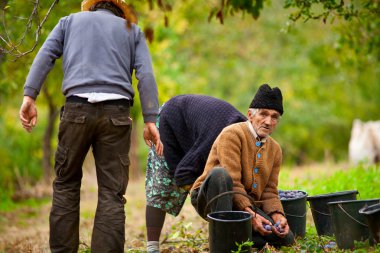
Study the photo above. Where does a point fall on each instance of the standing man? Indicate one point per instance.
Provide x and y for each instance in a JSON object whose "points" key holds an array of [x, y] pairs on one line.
{"points": [[188, 125], [245, 159], [101, 47]]}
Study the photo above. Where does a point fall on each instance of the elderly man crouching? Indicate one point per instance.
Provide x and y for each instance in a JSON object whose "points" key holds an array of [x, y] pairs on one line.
{"points": [[245, 159]]}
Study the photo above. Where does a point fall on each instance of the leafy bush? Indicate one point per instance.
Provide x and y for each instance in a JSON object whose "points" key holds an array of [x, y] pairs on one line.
{"points": [[20, 156]]}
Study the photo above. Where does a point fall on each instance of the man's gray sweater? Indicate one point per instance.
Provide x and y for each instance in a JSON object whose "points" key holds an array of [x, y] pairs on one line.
{"points": [[99, 54]]}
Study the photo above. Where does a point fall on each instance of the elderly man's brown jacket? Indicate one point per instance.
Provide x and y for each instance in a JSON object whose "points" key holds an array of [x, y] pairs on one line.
{"points": [[254, 170]]}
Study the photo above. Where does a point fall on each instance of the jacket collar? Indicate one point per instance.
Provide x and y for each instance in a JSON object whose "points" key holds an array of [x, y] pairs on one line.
{"points": [[254, 134]]}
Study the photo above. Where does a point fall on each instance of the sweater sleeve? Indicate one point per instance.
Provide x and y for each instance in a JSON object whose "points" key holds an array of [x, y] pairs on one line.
{"points": [[147, 86], [270, 200], [44, 61], [229, 155]]}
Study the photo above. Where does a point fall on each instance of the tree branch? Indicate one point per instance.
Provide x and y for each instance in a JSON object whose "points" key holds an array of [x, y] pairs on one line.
{"points": [[12, 48]]}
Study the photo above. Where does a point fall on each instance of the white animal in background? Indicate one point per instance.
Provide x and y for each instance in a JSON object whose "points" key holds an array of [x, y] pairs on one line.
{"points": [[364, 143]]}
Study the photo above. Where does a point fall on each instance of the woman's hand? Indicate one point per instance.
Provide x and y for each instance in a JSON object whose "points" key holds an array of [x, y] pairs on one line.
{"points": [[152, 135]]}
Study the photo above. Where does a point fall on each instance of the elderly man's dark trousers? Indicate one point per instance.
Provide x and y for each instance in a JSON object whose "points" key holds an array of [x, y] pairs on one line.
{"points": [[106, 127], [218, 182]]}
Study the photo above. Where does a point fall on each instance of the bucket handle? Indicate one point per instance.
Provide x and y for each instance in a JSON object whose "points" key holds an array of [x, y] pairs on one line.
{"points": [[341, 208], [252, 200], [327, 214], [313, 209], [297, 216]]}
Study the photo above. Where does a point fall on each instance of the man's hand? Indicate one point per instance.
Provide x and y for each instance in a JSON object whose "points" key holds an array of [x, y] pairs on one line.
{"points": [[28, 113], [283, 223], [151, 135], [258, 222]]}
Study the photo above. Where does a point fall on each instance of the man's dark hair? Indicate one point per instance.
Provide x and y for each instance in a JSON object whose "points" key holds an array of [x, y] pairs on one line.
{"points": [[108, 6]]}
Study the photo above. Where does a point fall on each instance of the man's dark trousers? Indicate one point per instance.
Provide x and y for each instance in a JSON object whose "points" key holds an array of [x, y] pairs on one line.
{"points": [[106, 126]]}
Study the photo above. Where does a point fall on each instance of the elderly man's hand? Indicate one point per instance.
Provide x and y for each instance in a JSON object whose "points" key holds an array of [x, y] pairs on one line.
{"points": [[258, 222], [283, 224], [28, 113], [151, 135]]}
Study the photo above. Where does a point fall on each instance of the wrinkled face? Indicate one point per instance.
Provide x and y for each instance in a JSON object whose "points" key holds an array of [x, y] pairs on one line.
{"points": [[264, 121]]}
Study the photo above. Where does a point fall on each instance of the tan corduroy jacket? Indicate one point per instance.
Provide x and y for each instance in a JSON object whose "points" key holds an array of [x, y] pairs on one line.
{"points": [[254, 170]]}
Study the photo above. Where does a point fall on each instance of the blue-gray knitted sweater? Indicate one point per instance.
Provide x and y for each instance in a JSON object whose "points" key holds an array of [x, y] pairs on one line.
{"points": [[98, 54], [189, 125]]}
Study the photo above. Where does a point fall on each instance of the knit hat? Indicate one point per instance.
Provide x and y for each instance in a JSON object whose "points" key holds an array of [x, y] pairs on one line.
{"points": [[268, 98], [128, 11]]}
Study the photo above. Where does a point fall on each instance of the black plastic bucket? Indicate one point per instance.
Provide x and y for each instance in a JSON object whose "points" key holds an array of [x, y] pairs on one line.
{"points": [[295, 212], [320, 211], [348, 224], [226, 228], [372, 215]]}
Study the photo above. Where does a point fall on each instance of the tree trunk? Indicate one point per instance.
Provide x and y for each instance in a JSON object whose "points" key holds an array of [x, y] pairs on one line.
{"points": [[134, 168], [47, 149]]}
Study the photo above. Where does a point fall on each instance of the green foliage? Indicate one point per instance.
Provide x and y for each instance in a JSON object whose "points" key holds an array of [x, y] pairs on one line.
{"points": [[319, 244], [321, 9], [85, 250], [252, 8], [326, 81], [188, 237], [242, 247], [311, 242], [20, 154], [7, 205]]}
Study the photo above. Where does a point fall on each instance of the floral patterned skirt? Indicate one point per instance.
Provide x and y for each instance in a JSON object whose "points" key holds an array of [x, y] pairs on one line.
{"points": [[160, 187]]}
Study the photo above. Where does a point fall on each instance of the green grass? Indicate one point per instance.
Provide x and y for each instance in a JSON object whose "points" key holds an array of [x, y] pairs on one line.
{"points": [[365, 179], [7, 205]]}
